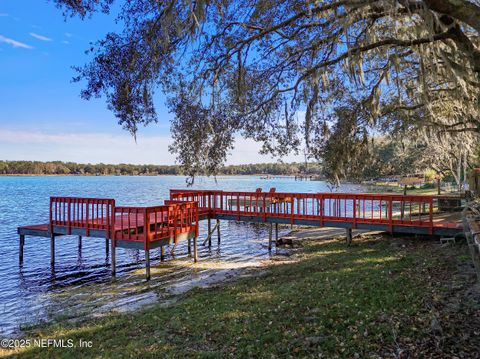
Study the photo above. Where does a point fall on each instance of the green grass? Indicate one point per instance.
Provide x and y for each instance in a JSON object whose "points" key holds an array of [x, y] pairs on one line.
{"points": [[400, 190], [336, 300]]}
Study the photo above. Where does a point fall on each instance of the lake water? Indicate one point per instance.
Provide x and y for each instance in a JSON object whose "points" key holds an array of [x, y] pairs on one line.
{"points": [[81, 282]]}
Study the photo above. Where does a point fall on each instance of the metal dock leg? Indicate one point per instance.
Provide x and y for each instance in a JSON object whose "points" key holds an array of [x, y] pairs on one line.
{"points": [[270, 234], [218, 230], [189, 247], [162, 253], [147, 264], [276, 233], [209, 232], [79, 242], [349, 236], [52, 249], [112, 244], [195, 251], [20, 252], [107, 245]]}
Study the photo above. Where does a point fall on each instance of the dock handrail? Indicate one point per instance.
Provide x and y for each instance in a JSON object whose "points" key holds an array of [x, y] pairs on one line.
{"points": [[81, 212], [387, 209], [146, 224], [143, 224]]}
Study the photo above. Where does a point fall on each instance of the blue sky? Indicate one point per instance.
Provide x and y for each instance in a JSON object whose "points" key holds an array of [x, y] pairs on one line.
{"points": [[41, 114]]}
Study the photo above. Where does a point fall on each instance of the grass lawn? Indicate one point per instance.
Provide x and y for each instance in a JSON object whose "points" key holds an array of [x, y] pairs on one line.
{"points": [[381, 297], [400, 190]]}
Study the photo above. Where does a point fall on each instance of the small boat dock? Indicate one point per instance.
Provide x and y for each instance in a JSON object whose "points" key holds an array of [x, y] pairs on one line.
{"points": [[177, 220]]}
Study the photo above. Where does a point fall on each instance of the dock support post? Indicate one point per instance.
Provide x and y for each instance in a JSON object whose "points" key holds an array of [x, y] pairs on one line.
{"points": [[162, 253], [107, 246], [195, 252], [349, 236], [147, 263], [276, 233], [218, 230], [20, 252], [52, 249], [112, 244], [270, 234], [209, 232], [79, 242], [189, 247]]}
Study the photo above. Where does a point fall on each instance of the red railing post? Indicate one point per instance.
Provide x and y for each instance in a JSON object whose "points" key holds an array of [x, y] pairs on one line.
{"points": [[354, 212], [87, 216], [69, 223], [175, 218], [322, 209], [292, 209], [238, 206], [146, 229], [221, 200], [431, 215], [390, 214], [265, 207], [51, 214]]}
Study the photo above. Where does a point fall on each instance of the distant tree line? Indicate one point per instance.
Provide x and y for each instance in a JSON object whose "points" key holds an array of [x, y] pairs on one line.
{"points": [[101, 169]]}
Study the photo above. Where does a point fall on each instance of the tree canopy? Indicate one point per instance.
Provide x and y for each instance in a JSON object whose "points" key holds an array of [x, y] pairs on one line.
{"points": [[313, 76]]}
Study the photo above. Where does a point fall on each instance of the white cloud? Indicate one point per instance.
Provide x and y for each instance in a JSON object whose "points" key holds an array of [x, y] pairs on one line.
{"points": [[40, 37], [67, 34], [66, 42], [3, 14], [84, 147], [98, 147], [14, 43]]}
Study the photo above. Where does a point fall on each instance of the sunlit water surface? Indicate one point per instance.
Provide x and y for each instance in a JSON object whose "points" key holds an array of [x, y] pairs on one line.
{"points": [[81, 283]]}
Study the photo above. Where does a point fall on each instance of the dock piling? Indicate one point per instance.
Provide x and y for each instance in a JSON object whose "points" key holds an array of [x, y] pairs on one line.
{"points": [[270, 234], [189, 247], [107, 246], [79, 242], [112, 244], [20, 252], [195, 252], [52, 249], [209, 232], [276, 233], [162, 253], [218, 230], [349, 236], [147, 264]]}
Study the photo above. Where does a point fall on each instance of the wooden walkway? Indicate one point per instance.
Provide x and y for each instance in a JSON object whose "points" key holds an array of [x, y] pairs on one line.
{"points": [[177, 220], [415, 214]]}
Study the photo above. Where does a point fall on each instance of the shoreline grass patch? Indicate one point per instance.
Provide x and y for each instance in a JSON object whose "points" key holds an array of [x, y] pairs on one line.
{"points": [[379, 297]]}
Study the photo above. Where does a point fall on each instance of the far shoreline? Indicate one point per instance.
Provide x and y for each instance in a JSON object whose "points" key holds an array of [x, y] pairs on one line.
{"points": [[142, 175]]}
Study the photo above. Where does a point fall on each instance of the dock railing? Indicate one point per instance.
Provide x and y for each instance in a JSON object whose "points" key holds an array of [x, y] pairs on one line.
{"points": [[140, 224], [82, 213], [354, 208], [147, 224]]}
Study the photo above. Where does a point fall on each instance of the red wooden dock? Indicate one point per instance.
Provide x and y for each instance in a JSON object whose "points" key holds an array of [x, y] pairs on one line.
{"points": [[128, 227], [416, 214], [177, 220]]}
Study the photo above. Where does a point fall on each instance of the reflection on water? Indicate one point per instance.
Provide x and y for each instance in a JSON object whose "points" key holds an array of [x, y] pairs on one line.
{"points": [[81, 283]]}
